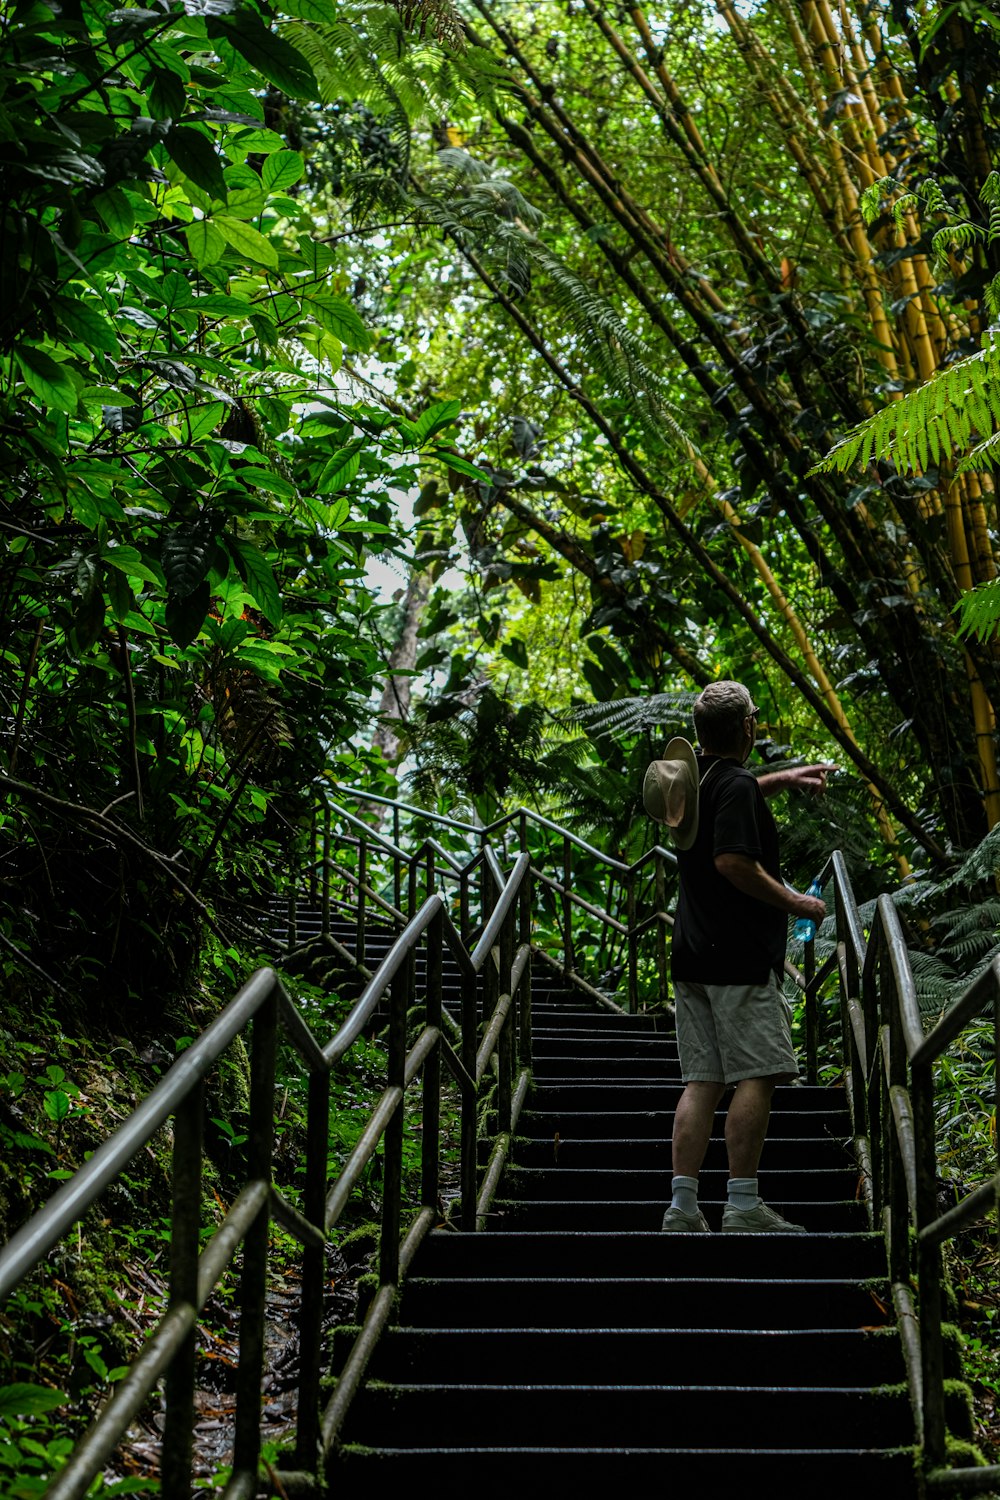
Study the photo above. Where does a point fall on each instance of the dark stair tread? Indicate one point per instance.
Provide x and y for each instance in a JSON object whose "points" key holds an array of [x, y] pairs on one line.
{"points": [[847, 1356], [599, 1302], [555, 1416], [632, 1253]]}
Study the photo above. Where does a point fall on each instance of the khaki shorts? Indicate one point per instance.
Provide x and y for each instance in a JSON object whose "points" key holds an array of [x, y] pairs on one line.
{"points": [[727, 1032]]}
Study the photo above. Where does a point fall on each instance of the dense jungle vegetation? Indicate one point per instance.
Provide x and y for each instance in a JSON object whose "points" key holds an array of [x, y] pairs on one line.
{"points": [[647, 345]]}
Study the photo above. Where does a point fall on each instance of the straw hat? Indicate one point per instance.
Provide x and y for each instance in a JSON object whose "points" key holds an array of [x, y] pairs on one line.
{"points": [[670, 792]]}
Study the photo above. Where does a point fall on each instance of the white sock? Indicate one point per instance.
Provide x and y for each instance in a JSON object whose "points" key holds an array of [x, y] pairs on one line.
{"points": [[684, 1194], [743, 1192]]}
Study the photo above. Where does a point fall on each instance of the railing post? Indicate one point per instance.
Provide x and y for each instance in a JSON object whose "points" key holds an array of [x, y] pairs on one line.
{"points": [[464, 919], [312, 854], [430, 1135], [326, 872], [569, 957], [633, 943], [928, 1266], [360, 939], [876, 975], [175, 1461], [812, 1011], [253, 1282], [470, 997], [896, 1195], [411, 884], [392, 1177], [524, 995], [487, 893], [293, 934], [505, 1049], [307, 1435], [429, 875], [660, 889]]}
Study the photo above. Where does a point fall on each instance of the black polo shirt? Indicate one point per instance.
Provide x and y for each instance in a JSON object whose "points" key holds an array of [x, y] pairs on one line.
{"points": [[721, 935]]}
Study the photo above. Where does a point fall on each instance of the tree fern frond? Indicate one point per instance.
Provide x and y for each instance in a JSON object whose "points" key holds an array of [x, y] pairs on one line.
{"points": [[990, 191], [899, 432], [482, 210], [956, 237], [871, 198], [628, 716]]}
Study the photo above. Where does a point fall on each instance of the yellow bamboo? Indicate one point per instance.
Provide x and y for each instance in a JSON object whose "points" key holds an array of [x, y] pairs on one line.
{"points": [[985, 725], [856, 128], [983, 564], [861, 75]]}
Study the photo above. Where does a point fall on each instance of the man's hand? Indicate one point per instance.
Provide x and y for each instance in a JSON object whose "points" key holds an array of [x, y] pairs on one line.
{"points": [[809, 906], [810, 779]]}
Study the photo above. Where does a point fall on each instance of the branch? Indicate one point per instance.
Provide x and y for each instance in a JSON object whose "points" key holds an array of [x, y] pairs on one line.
{"points": [[116, 834]]}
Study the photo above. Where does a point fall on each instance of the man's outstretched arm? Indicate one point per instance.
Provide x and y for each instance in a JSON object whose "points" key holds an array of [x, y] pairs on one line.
{"points": [[799, 778]]}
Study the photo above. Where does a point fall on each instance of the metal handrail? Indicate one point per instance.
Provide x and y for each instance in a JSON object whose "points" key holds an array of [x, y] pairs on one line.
{"points": [[889, 1065], [263, 1004]]}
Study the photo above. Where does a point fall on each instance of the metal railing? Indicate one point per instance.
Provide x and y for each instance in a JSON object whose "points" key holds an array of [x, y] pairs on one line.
{"points": [[889, 1072], [496, 979], [625, 936]]}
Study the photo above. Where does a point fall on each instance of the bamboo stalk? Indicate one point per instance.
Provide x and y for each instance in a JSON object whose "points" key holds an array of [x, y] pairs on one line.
{"points": [[671, 110], [635, 471]]}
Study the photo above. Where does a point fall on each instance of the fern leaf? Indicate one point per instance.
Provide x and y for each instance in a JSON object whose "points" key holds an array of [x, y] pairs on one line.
{"points": [[899, 432]]}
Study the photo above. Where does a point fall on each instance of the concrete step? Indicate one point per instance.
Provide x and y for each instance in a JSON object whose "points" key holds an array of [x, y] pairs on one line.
{"points": [[845, 1356], [490, 1473], [593, 1215], [659, 1302], [596, 1416], [623, 1255]]}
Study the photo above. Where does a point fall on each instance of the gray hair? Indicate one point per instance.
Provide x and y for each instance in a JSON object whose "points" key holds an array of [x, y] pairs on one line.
{"points": [[719, 711]]}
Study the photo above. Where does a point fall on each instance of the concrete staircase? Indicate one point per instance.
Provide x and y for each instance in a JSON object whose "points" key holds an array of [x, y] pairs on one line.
{"points": [[573, 1344]]}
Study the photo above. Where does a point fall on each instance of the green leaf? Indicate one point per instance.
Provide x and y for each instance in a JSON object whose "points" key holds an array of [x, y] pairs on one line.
{"points": [[29, 1400], [282, 170], [56, 1105], [196, 157], [119, 594], [128, 561], [186, 554], [441, 414], [339, 317], [461, 465], [185, 616], [205, 243], [45, 378], [341, 469], [266, 479], [201, 420], [166, 95], [275, 58], [515, 651], [83, 323], [256, 573], [247, 241], [116, 212]]}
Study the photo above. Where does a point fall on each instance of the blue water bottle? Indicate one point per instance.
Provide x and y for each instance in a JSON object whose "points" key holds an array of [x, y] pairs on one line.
{"points": [[805, 928]]}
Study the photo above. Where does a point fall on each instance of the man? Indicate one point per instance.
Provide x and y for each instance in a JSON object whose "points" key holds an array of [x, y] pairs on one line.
{"points": [[728, 951]]}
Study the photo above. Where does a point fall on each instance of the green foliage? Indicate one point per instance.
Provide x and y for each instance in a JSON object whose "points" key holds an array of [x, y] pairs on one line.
{"points": [[950, 415], [189, 496]]}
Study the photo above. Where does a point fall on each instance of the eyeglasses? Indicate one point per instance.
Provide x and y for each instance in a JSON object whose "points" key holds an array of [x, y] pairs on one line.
{"points": [[754, 714]]}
